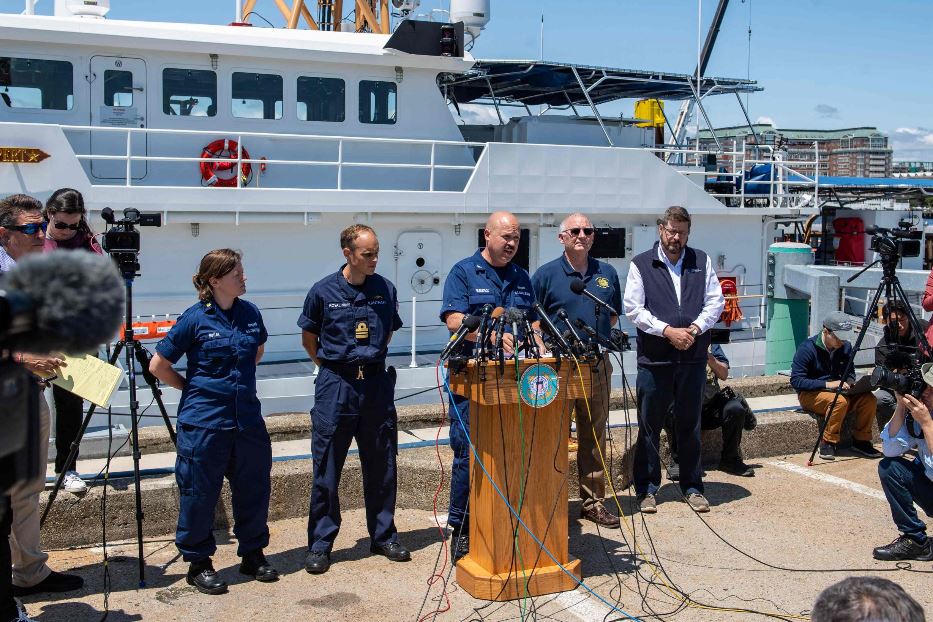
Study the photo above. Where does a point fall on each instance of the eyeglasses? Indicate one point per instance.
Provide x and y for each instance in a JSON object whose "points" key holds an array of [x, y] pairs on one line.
{"points": [[675, 232], [30, 229], [587, 231], [64, 225]]}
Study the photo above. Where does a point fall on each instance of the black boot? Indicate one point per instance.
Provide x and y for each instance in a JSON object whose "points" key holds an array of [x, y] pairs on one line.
{"points": [[202, 576], [256, 565]]}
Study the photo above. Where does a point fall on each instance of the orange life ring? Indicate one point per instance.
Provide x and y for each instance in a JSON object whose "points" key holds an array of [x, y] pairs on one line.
{"points": [[223, 154]]}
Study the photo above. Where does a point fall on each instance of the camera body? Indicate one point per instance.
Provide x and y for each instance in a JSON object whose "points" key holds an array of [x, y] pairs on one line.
{"points": [[122, 240], [908, 382], [904, 241]]}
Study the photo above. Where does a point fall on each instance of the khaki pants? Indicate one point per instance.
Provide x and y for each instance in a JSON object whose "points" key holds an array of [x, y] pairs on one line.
{"points": [[29, 566], [864, 406], [589, 464]]}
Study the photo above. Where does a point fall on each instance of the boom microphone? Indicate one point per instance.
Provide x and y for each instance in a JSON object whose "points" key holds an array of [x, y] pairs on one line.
{"points": [[577, 286], [60, 302], [562, 314], [467, 325]]}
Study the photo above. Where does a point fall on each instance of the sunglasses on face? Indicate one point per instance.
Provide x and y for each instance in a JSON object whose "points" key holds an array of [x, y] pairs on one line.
{"points": [[63, 225], [587, 231], [30, 229]]}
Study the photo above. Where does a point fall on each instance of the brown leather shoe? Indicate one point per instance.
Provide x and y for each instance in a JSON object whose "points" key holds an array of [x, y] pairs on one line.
{"points": [[600, 515]]}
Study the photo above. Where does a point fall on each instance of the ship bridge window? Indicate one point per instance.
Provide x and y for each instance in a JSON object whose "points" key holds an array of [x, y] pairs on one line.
{"points": [[321, 99], [33, 83], [377, 102], [257, 95], [189, 92], [118, 88]]}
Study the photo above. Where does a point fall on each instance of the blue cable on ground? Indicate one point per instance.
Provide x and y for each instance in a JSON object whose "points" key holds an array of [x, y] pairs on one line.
{"points": [[519, 518]]}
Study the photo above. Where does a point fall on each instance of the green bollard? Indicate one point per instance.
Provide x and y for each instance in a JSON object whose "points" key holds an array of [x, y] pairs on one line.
{"points": [[788, 313]]}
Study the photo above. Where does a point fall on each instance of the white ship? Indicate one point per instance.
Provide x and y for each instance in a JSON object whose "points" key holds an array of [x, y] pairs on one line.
{"points": [[328, 128]]}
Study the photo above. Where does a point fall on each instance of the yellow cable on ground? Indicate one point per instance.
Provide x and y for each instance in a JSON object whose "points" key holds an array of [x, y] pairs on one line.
{"points": [[674, 592]]}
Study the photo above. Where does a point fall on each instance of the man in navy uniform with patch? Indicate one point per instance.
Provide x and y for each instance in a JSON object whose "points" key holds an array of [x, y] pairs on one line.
{"points": [[488, 277], [347, 322], [551, 284], [673, 297]]}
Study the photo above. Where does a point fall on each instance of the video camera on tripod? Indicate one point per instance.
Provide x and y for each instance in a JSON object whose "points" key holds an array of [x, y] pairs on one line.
{"points": [[121, 240], [902, 241]]}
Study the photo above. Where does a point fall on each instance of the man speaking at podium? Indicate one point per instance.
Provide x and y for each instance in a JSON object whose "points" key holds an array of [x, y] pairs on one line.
{"points": [[673, 297], [488, 277], [551, 283]]}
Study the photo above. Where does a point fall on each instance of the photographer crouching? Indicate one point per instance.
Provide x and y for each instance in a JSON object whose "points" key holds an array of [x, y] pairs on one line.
{"points": [[898, 350], [908, 482]]}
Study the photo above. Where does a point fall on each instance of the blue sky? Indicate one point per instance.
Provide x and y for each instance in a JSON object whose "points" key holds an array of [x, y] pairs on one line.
{"points": [[823, 63]]}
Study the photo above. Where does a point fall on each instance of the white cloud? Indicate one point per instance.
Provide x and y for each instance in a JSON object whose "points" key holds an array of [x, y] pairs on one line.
{"points": [[477, 114], [826, 111], [765, 121], [912, 143]]}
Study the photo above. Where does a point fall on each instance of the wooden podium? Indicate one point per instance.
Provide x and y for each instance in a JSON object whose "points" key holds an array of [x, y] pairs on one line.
{"points": [[519, 429]]}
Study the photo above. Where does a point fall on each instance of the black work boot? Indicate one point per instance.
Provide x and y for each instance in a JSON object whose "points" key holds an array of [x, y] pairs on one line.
{"points": [[317, 562], [202, 576], [256, 565]]}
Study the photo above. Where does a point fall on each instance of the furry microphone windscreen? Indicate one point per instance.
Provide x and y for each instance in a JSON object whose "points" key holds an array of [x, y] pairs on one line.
{"points": [[77, 301]]}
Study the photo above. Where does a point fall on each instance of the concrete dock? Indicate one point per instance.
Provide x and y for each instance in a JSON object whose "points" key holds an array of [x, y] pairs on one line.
{"points": [[770, 544]]}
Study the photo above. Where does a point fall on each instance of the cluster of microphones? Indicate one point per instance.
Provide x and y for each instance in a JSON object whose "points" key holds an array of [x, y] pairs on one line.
{"points": [[492, 324]]}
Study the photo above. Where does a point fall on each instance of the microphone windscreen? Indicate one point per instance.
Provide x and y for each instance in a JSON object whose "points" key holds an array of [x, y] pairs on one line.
{"points": [[77, 297], [471, 322], [577, 286], [497, 313], [515, 314]]}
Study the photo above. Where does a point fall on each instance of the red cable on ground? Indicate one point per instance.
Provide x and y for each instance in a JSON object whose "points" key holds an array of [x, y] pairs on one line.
{"points": [[438, 575]]}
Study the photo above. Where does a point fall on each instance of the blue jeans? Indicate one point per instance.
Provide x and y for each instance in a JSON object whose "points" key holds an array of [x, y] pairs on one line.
{"points": [[458, 515], [659, 389], [904, 484]]}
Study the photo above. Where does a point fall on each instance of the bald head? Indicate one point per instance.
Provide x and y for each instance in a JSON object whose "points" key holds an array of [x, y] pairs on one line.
{"points": [[502, 234]]}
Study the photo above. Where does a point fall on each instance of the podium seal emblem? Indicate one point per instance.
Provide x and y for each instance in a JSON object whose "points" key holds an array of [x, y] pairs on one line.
{"points": [[538, 385]]}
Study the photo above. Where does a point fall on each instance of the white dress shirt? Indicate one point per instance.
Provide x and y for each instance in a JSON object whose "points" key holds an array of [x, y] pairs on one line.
{"points": [[634, 299]]}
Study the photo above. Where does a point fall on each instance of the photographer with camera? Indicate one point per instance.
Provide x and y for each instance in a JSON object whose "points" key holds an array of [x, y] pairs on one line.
{"points": [[22, 232], [906, 483], [897, 351], [68, 229], [722, 408], [816, 373]]}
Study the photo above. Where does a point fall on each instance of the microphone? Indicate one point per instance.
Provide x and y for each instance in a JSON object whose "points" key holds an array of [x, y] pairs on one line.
{"points": [[467, 325], [549, 326], [586, 328], [60, 301], [489, 321], [515, 317], [577, 286], [562, 314]]}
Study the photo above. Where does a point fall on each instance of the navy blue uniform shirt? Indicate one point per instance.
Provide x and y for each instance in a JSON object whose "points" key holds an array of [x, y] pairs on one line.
{"points": [[353, 324], [551, 284], [221, 347], [473, 282]]}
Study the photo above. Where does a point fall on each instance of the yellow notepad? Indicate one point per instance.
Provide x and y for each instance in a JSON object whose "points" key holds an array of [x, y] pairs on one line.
{"points": [[89, 377]]}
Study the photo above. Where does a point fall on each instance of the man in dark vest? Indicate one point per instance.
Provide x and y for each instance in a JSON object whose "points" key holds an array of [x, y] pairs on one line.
{"points": [[673, 297]]}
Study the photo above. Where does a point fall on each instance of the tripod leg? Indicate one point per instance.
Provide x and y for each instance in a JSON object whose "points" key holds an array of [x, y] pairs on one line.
{"points": [[76, 444], [144, 358], [850, 366]]}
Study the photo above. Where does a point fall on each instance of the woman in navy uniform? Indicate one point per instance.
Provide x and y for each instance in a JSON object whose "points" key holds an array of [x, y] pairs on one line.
{"points": [[347, 322], [220, 427]]}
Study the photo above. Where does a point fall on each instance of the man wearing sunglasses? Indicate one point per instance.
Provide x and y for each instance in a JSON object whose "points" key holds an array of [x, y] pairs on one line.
{"points": [[22, 232], [551, 283], [673, 297]]}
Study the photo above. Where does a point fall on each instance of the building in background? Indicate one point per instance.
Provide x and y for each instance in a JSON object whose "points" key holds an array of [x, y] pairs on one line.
{"points": [[913, 168], [850, 152]]}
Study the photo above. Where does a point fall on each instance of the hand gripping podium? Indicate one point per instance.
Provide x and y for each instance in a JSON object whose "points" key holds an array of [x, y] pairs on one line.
{"points": [[519, 428]]}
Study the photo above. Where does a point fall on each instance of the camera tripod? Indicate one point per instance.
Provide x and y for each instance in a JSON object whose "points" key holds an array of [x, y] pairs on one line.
{"points": [[890, 287], [135, 353]]}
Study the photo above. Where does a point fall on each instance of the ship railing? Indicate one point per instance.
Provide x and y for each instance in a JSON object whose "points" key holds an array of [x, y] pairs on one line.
{"points": [[339, 162]]}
